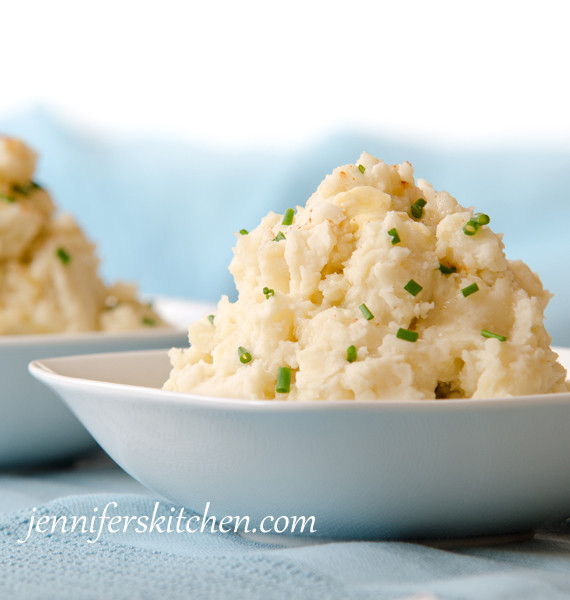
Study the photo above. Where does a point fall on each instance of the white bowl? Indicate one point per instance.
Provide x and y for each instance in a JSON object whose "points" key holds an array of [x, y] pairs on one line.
{"points": [[417, 469], [35, 426]]}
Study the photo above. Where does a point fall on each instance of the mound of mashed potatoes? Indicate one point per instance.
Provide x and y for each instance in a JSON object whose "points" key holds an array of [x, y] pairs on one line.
{"points": [[48, 269], [380, 288]]}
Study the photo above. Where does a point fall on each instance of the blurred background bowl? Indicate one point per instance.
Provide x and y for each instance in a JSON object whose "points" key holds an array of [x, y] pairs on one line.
{"points": [[35, 426]]}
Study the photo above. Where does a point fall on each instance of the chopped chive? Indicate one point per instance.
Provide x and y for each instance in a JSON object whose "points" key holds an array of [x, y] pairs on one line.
{"points": [[395, 237], [488, 334], [280, 236], [367, 314], [243, 231], [406, 334], [149, 321], [288, 216], [413, 287], [63, 255], [244, 355], [283, 385], [268, 292], [211, 318], [27, 189], [417, 208], [470, 289], [361, 168], [447, 270], [351, 354], [416, 211], [7, 198], [473, 225]]}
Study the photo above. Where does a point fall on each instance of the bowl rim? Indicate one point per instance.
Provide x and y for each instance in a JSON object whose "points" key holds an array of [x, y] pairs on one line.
{"points": [[48, 339], [42, 371]]}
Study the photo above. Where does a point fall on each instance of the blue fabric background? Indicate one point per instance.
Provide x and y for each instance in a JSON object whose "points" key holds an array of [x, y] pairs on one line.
{"points": [[163, 213]]}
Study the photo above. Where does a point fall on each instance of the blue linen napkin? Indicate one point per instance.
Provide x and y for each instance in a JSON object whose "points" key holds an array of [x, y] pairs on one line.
{"points": [[215, 565], [131, 565], [164, 213]]}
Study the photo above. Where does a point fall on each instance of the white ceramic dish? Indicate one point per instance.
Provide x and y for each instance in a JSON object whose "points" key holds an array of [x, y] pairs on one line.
{"points": [[35, 426], [364, 470]]}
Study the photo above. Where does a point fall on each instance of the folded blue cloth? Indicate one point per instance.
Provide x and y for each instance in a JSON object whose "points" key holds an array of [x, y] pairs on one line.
{"points": [[219, 565], [164, 213]]}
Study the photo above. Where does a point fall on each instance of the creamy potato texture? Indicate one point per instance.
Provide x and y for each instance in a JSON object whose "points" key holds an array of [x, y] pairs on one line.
{"points": [[48, 269], [380, 289]]}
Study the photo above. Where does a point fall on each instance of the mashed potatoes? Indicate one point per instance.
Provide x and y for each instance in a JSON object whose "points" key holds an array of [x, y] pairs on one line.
{"points": [[48, 269], [378, 289]]}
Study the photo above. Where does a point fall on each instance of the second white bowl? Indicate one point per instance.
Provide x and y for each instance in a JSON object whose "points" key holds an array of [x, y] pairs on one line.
{"points": [[35, 426]]}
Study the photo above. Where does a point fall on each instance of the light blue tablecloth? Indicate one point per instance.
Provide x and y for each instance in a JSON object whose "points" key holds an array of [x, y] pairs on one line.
{"points": [[164, 213], [131, 565]]}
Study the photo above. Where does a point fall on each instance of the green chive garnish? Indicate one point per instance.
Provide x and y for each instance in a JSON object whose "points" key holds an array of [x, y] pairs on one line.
{"points": [[211, 318], [351, 354], [395, 237], [406, 334], [283, 385], [27, 189], [472, 226], [367, 314], [288, 216], [470, 289], [489, 334], [447, 270], [268, 292], [6, 198], [20, 189], [280, 236], [63, 255], [244, 355], [413, 287], [417, 208], [243, 231], [149, 321], [361, 168]]}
